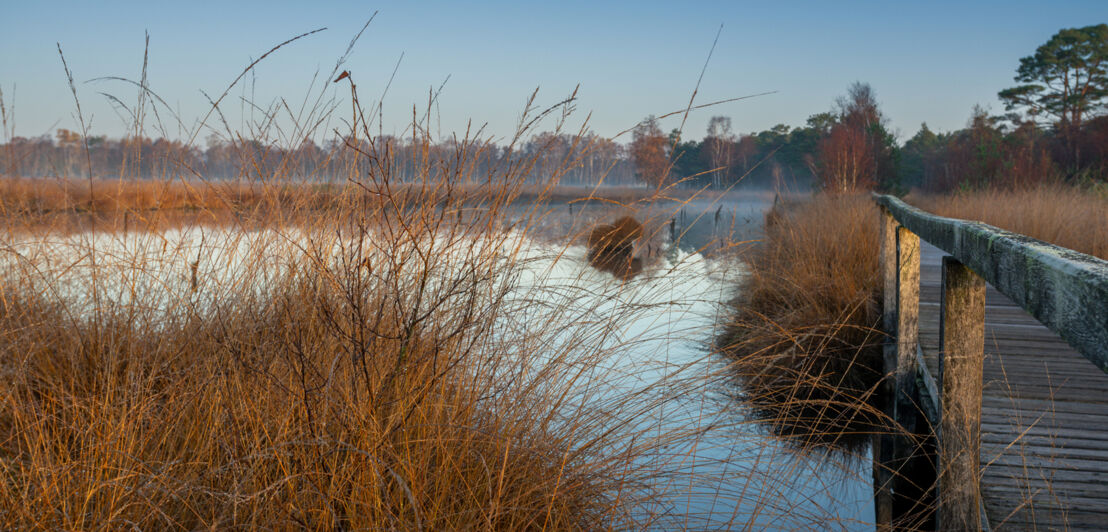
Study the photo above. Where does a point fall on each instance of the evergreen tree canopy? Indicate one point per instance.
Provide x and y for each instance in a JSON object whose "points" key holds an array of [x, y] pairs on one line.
{"points": [[1066, 79]]}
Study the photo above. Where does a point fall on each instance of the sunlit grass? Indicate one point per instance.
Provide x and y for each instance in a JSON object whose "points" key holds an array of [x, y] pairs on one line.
{"points": [[805, 328], [365, 351], [1062, 215]]}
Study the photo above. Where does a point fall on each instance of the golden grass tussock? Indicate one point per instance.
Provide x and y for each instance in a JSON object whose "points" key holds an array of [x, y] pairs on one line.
{"points": [[106, 428], [1066, 216], [804, 331], [611, 247]]}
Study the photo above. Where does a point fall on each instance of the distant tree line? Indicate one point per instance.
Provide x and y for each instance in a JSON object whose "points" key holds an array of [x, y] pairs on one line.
{"points": [[1055, 129], [575, 160]]}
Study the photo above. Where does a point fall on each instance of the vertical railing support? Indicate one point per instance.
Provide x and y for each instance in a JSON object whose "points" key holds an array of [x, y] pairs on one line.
{"points": [[895, 450], [883, 441], [962, 359], [907, 318], [910, 485]]}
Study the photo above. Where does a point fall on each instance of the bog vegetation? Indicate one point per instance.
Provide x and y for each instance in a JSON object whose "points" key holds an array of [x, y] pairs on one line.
{"points": [[365, 361], [805, 327], [367, 386]]}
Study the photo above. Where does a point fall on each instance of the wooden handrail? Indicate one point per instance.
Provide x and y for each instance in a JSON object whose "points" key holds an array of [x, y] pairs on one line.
{"points": [[1065, 290]]}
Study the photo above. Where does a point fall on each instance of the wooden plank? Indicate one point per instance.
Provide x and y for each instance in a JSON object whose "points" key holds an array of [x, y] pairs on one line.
{"points": [[1089, 434], [962, 341], [1046, 463], [1017, 390], [1024, 415], [1094, 478], [1038, 405], [1044, 496], [1044, 419]]}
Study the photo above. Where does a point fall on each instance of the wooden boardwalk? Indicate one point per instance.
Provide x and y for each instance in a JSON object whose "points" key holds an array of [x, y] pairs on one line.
{"points": [[1044, 420]]}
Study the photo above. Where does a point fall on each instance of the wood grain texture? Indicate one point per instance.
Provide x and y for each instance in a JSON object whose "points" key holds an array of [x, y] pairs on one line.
{"points": [[962, 355], [1044, 416], [883, 443], [912, 466]]}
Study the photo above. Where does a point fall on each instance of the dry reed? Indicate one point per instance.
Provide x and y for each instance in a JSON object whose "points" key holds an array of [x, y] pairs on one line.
{"points": [[804, 331], [364, 387], [1062, 215], [356, 379]]}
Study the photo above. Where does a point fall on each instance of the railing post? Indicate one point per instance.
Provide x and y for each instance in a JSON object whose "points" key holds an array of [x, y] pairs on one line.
{"points": [[883, 442], [907, 315], [962, 352], [895, 450], [910, 484]]}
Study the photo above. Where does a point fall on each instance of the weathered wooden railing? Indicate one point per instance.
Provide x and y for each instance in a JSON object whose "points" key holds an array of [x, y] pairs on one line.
{"points": [[1065, 290]]}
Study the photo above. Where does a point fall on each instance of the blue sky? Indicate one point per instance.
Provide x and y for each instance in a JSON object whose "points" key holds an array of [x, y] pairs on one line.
{"points": [[928, 62]]}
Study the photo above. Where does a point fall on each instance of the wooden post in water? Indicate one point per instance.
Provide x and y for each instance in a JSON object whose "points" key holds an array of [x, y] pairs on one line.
{"points": [[909, 485], [883, 442], [962, 351], [901, 487]]}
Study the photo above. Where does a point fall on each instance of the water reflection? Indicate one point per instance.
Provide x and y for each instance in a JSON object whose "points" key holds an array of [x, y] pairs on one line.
{"points": [[659, 378]]}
